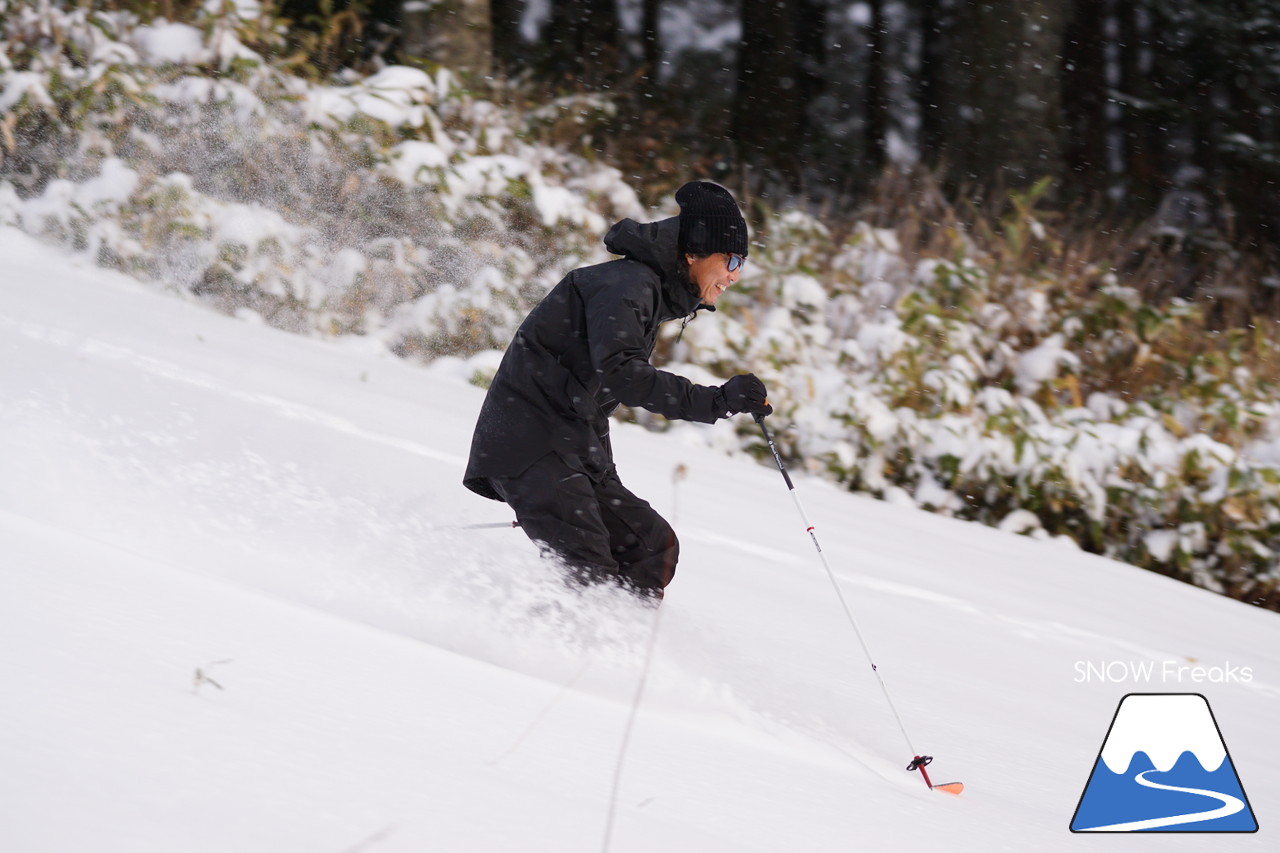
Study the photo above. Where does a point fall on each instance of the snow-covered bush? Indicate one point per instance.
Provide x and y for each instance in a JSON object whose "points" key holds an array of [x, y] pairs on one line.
{"points": [[1003, 393], [398, 205]]}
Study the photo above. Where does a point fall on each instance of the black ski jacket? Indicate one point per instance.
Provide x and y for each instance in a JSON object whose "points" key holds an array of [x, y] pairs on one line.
{"points": [[584, 349]]}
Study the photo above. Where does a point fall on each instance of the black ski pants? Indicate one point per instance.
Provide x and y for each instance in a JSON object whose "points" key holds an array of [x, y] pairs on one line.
{"points": [[600, 530]]}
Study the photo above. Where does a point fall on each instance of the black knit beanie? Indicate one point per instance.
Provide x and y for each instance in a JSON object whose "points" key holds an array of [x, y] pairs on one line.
{"points": [[710, 221]]}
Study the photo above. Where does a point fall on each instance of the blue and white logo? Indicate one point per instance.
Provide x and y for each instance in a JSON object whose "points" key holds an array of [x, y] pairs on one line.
{"points": [[1164, 767]]}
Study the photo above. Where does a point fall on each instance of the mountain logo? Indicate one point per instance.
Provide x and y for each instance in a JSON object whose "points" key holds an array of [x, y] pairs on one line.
{"points": [[1164, 767]]}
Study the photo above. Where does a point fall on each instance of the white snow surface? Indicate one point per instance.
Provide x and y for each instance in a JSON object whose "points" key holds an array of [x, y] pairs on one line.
{"points": [[184, 493]]}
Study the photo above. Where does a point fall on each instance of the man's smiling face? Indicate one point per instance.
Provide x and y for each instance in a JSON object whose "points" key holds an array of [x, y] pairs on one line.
{"points": [[712, 276]]}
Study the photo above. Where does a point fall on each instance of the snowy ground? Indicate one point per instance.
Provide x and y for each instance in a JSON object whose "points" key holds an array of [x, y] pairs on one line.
{"points": [[180, 491]]}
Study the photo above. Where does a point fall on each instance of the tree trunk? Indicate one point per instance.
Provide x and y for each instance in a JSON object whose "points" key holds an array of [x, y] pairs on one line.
{"points": [[508, 49], [1140, 128], [1252, 181], [651, 44], [931, 85], [457, 34], [768, 122], [877, 97], [1007, 62], [1084, 97], [584, 42]]}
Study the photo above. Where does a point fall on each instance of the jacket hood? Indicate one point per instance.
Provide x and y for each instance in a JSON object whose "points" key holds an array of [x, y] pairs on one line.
{"points": [[657, 245]]}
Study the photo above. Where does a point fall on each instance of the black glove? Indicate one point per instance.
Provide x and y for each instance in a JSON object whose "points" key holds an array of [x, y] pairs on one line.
{"points": [[746, 393]]}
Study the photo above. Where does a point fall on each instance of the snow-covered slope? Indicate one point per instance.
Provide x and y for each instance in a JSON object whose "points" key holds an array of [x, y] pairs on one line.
{"points": [[182, 493]]}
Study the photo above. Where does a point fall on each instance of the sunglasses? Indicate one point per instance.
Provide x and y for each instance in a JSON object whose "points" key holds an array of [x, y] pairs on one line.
{"points": [[735, 262]]}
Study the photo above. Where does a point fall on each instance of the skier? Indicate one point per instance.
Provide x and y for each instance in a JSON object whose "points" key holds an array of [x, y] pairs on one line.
{"points": [[541, 442]]}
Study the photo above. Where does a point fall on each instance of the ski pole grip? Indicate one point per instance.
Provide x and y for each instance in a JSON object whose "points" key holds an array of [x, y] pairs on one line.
{"points": [[777, 458]]}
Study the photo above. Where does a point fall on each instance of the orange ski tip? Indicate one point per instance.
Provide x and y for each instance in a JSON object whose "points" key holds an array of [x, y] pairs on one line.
{"points": [[950, 787]]}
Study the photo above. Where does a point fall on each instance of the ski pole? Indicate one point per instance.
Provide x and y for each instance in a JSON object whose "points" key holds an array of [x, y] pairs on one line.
{"points": [[777, 457], [490, 525]]}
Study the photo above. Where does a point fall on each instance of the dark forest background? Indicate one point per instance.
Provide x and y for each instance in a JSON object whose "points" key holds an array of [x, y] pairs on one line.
{"points": [[1154, 118]]}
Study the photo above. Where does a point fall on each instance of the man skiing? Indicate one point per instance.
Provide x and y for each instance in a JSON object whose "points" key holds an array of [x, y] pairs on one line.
{"points": [[541, 443]]}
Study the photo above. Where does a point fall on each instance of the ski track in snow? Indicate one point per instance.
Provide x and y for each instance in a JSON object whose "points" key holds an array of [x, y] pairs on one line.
{"points": [[1025, 628], [176, 373]]}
